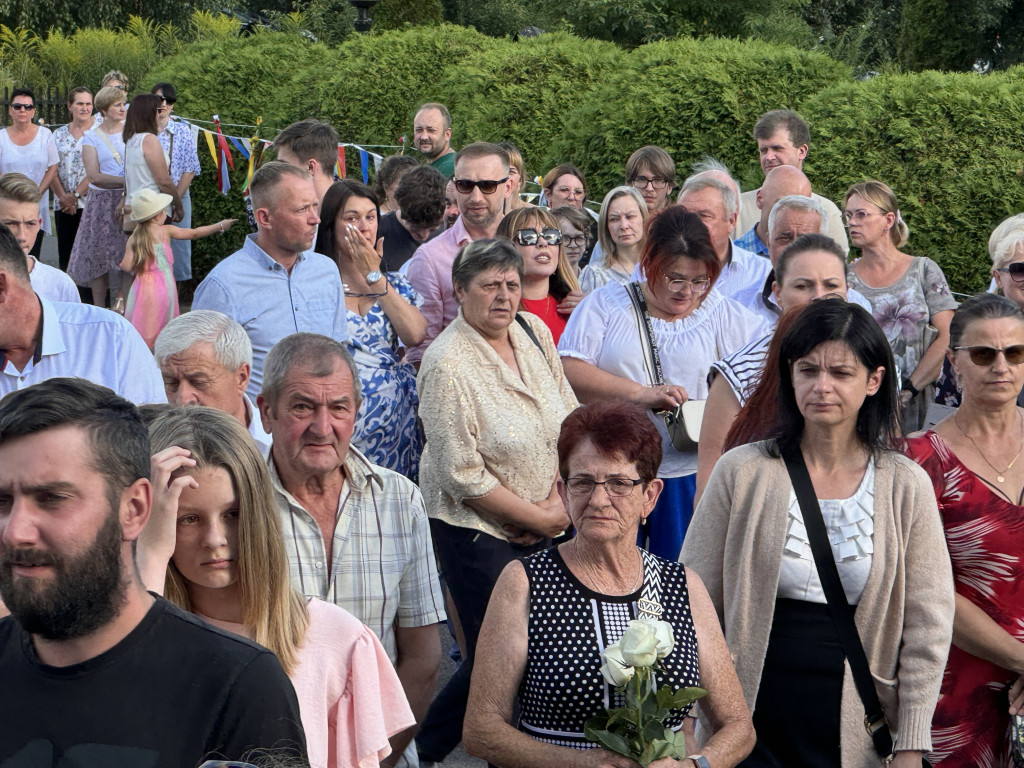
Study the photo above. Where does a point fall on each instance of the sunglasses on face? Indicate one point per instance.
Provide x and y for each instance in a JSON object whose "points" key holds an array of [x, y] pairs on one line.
{"points": [[20, 107], [533, 237], [987, 355], [465, 186], [1015, 270]]}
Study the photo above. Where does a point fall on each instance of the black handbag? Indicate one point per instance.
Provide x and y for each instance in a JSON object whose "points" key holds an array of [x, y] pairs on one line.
{"points": [[842, 614]]}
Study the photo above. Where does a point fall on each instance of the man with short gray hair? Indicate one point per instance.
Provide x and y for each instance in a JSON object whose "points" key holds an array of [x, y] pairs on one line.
{"points": [[205, 358], [779, 183], [276, 284], [715, 202], [356, 534]]}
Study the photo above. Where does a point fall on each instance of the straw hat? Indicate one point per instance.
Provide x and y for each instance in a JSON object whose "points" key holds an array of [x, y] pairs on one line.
{"points": [[146, 204]]}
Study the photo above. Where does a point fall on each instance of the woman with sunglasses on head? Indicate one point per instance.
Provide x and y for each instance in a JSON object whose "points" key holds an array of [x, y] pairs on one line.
{"points": [[550, 290], [31, 150], [605, 351], [213, 546], [909, 295], [621, 234], [382, 317], [974, 460]]}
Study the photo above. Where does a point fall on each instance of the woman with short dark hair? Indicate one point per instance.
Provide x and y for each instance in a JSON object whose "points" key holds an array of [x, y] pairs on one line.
{"points": [[749, 541]]}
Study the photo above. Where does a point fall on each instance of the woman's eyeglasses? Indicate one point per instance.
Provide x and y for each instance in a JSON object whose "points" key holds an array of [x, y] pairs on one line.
{"points": [[613, 486], [698, 285], [21, 107], [465, 186], [1015, 271], [987, 355], [533, 237]]}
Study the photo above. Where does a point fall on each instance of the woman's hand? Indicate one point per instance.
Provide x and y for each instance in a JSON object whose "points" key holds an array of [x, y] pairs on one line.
{"points": [[156, 543], [364, 257], [568, 304], [1017, 697], [906, 759], [662, 398]]}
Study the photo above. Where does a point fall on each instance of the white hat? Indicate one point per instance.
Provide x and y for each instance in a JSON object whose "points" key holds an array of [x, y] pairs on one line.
{"points": [[146, 204]]}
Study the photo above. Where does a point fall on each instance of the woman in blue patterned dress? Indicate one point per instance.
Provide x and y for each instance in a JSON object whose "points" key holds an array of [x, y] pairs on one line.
{"points": [[382, 317], [553, 614]]}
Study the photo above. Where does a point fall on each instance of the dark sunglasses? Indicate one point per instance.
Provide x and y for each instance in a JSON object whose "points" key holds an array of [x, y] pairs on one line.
{"points": [[550, 236], [987, 355], [1015, 270], [465, 186], [20, 107]]}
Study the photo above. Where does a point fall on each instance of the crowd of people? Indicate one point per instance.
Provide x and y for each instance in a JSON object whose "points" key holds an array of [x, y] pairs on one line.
{"points": [[231, 534]]}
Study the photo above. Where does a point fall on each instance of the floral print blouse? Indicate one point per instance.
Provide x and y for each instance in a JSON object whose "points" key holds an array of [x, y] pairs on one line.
{"points": [[70, 169]]}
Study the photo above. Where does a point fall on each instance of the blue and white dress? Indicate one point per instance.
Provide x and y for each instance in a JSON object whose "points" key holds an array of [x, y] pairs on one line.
{"points": [[386, 431]]}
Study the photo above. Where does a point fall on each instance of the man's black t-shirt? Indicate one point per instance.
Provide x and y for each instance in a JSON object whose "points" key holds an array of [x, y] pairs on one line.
{"points": [[174, 692]]}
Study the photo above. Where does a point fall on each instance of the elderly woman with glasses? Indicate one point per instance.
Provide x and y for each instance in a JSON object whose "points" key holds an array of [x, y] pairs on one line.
{"points": [[31, 150], [550, 289], [909, 295], [492, 398], [606, 353], [554, 614], [974, 460]]}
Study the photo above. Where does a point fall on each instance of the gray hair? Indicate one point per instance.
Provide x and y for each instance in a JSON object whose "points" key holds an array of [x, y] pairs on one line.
{"points": [[730, 200], [797, 203], [1003, 239], [605, 239], [231, 345], [482, 255], [319, 354]]}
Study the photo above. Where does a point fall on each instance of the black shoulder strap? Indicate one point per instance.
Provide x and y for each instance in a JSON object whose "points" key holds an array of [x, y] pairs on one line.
{"points": [[842, 613], [652, 360], [529, 331]]}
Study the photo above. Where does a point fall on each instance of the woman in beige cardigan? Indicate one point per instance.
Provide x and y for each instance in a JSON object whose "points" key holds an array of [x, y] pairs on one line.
{"points": [[837, 402]]}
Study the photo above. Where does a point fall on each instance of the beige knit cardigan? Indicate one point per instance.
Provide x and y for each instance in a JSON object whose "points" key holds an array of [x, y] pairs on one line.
{"points": [[905, 614]]}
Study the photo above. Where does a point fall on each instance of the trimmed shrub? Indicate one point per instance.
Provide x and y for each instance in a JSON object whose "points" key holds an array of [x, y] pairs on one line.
{"points": [[692, 97], [370, 95], [395, 14], [949, 145], [521, 91]]}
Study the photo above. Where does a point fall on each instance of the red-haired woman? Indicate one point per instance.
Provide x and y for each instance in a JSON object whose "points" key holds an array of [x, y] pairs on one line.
{"points": [[604, 355], [541, 641]]}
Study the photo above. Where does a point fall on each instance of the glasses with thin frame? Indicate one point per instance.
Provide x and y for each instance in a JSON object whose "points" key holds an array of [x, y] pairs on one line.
{"points": [[698, 286], [570, 192], [982, 355], [856, 217], [25, 107], [641, 182], [613, 486], [551, 236], [488, 187]]}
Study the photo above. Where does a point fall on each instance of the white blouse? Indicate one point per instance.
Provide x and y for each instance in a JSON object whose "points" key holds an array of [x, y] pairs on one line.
{"points": [[850, 525], [602, 331]]}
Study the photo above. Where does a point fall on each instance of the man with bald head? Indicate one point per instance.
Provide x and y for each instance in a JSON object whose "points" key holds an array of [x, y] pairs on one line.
{"points": [[780, 182], [276, 285]]}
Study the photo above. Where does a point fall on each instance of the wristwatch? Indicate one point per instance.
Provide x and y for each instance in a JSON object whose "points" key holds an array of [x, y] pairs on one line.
{"points": [[373, 277], [699, 760], [77, 196]]}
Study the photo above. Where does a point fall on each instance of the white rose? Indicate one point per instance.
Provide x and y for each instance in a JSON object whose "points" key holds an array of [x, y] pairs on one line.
{"points": [[639, 644], [615, 669], [666, 638]]}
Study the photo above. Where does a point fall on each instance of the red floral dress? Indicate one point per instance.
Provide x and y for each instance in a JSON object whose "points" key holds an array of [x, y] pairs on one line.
{"points": [[985, 535]]}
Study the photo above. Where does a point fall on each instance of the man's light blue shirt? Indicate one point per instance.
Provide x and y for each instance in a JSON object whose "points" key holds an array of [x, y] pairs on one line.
{"points": [[87, 342], [271, 303]]}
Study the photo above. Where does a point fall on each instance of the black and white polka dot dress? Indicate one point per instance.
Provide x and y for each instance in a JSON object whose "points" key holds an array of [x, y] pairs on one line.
{"points": [[570, 625]]}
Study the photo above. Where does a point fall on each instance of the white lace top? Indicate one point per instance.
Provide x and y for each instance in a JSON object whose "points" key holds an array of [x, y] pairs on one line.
{"points": [[850, 525]]}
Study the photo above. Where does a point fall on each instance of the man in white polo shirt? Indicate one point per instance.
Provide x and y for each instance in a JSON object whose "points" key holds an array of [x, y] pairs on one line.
{"points": [[41, 339], [205, 358]]}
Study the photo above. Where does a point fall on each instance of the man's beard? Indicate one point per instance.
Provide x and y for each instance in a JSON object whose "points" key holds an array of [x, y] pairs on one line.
{"points": [[87, 590]]}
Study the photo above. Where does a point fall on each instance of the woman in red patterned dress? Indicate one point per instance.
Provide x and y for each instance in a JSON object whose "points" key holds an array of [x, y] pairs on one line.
{"points": [[974, 460]]}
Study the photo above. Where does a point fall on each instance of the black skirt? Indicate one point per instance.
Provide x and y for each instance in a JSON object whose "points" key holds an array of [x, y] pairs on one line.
{"points": [[797, 713]]}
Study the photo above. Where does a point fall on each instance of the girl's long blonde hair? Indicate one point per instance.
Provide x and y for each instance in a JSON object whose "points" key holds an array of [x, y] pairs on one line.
{"points": [[143, 244], [272, 610]]}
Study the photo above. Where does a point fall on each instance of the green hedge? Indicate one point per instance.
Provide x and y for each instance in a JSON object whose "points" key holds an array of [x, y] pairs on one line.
{"points": [[692, 97], [371, 90], [521, 91], [950, 146]]}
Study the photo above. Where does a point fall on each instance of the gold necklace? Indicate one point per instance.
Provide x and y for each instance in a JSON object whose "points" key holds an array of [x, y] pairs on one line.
{"points": [[1000, 476]]}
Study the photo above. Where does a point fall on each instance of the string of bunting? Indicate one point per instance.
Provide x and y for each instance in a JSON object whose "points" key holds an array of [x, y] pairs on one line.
{"points": [[252, 150]]}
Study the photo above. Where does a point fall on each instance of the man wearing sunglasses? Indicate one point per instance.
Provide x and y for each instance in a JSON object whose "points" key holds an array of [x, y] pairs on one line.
{"points": [[482, 185]]}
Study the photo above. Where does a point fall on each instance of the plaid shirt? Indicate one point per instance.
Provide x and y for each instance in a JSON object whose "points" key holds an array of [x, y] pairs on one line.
{"points": [[383, 569], [751, 242]]}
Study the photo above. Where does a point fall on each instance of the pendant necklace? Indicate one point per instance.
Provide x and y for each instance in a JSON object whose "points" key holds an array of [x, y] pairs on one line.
{"points": [[1000, 476]]}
